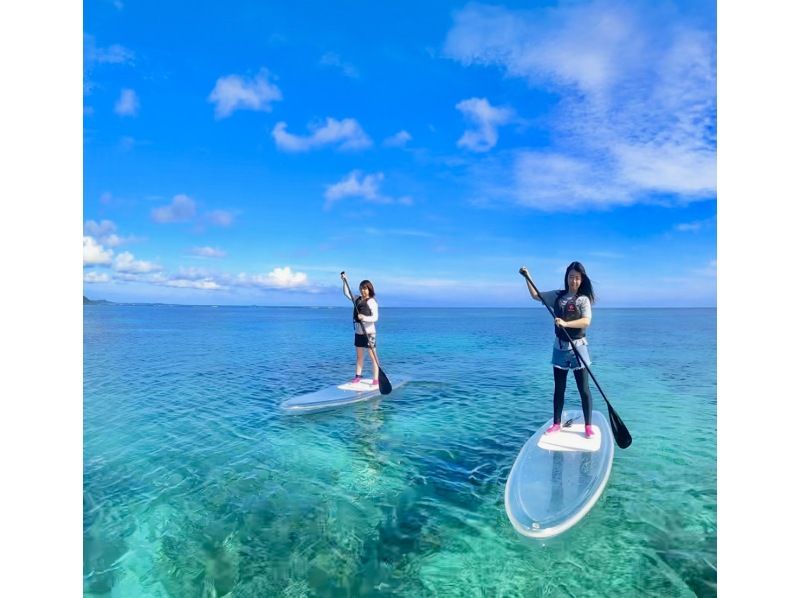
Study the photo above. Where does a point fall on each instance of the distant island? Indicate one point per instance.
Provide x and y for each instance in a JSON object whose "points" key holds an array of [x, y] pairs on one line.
{"points": [[87, 301]]}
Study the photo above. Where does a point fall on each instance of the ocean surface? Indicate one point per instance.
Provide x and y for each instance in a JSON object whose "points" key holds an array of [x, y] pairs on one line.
{"points": [[195, 484]]}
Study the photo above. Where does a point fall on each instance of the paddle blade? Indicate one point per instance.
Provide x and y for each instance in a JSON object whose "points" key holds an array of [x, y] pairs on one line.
{"points": [[383, 382], [621, 434]]}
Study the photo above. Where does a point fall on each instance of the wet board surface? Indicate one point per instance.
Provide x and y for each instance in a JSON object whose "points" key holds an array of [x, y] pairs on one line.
{"points": [[553, 485], [336, 396]]}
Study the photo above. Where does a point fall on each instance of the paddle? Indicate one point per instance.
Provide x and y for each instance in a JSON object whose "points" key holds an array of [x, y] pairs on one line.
{"points": [[621, 434], [383, 380]]}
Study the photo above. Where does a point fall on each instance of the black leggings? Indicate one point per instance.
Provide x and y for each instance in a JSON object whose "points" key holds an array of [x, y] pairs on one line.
{"points": [[582, 379]]}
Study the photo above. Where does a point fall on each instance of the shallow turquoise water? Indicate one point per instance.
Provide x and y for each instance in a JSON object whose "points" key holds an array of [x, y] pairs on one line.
{"points": [[196, 485]]}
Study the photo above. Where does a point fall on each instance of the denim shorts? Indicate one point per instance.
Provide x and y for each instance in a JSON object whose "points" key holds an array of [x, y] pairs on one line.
{"points": [[566, 359]]}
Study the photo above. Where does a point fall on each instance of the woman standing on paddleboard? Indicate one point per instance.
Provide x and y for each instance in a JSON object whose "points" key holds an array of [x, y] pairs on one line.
{"points": [[365, 314], [573, 309]]}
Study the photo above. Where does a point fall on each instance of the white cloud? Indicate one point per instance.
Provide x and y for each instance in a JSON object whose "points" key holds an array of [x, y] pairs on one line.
{"points": [[486, 119], [99, 230], [588, 47], [234, 92], [555, 182], [193, 273], [183, 283], [334, 60], [638, 98], [127, 104], [278, 278], [399, 139], [95, 254], [94, 276], [114, 54], [182, 209], [345, 134], [220, 217], [126, 263], [208, 252], [105, 233], [669, 168], [93, 56], [356, 184]]}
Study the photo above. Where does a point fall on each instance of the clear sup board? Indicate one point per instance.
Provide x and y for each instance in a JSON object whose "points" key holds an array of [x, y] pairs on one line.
{"points": [[557, 478], [336, 396]]}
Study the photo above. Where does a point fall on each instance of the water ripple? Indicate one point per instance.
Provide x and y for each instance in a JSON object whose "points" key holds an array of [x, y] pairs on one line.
{"points": [[195, 484]]}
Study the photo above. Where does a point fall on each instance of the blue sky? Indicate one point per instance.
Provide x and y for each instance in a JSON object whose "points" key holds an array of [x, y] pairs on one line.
{"points": [[246, 153]]}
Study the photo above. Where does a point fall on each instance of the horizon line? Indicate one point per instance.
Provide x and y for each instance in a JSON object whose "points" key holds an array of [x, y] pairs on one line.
{"points": [[151, 303]]}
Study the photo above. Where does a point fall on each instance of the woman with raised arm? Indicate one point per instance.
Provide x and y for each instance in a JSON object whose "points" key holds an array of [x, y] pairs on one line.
{"points": [[572, 306], [365, 314]]}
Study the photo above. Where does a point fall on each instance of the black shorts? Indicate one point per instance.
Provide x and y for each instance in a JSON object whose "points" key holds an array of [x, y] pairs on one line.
{"points": [[366, 341]]}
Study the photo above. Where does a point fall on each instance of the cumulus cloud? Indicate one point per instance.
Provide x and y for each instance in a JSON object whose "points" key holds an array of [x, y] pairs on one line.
{"points": [[638, 99], [93, 276], [127, 104], [99, 229], [95, 254], [486, 119], [278, 278], [104, 232], [365, 186], [182, 209], [334, 60], [355, 184], [344, 134], [208, 252], [125, 262], [399, 139], [234, 92]]}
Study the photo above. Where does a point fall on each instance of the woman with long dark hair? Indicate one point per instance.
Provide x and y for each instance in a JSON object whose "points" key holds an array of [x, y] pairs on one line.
{"points": [[572, 306], [365, 314]]}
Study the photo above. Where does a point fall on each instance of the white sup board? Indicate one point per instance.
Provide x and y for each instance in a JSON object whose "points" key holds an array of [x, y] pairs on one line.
{"points": [[557, 478], [337, 396]]}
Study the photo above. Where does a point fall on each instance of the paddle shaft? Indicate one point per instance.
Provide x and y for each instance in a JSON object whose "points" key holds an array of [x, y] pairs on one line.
{"points": [[578, 355]]}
